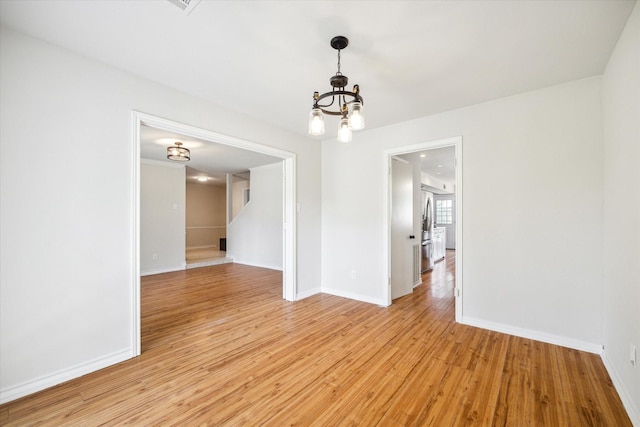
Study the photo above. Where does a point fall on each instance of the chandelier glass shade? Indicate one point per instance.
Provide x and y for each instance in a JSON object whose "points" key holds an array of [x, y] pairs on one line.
{"points": [[338, 102], [344, 130], [316, 122], [178, 153]]}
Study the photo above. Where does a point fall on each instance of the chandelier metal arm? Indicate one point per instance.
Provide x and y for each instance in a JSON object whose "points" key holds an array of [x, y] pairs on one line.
{"points": [[333, 94]]}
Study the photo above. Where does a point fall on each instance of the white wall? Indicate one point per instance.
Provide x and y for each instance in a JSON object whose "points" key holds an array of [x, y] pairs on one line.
{"points": [[443, 187], [254, 237], [162, 218], [206, 215], [238, 186], [532, 220], [621, 261], [70, 211]]}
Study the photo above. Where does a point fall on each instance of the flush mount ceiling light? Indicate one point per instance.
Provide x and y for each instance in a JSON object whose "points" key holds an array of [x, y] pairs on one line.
{"points": [[338, 102], [178, 153]]}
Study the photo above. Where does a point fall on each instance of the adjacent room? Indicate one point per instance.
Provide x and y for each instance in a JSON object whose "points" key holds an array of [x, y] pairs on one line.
{"points": [[189, 205]]}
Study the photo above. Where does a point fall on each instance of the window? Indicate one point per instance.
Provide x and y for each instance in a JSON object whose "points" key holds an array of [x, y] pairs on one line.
{"points": [[444, 211]]}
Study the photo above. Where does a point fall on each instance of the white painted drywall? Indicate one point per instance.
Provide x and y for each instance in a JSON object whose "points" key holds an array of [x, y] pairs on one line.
{"points": [[621, 260], [66, 186], [206, 215], [238, 186], [162, 218], [254, 237], [532, 225], [442, 186]]}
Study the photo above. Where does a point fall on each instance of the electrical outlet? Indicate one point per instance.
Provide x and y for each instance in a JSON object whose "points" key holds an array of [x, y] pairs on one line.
{"points": [[353, 275], [154, 257], [632, 354]]}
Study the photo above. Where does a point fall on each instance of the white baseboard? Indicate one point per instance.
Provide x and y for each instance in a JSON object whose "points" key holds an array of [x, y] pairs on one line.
{"points": [[632, 409], [15, 392], [163, 270], [354, 296], [307, 294], [534, 335], [270, 267]]}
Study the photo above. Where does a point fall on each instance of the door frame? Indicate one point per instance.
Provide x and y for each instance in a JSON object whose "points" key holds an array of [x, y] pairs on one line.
{"points": [[289, 276], [386, 240]]}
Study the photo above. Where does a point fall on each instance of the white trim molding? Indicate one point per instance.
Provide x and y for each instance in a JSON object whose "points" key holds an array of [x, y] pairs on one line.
{"points": [[164, 270], [134, 309], [59, 377], [289, 277], [456, 142], [354, 296], [534, 335], [627, 401], [307, 294]]}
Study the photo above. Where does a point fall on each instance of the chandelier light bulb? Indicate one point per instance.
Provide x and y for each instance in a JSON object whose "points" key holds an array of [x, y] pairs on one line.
{"points": [[344, 131], [316, 122], [356, 116]]}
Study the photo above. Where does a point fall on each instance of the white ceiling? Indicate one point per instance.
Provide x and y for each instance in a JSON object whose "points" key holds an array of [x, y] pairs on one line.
{"points": [[208, 159], [440, 163], [266, 58]]}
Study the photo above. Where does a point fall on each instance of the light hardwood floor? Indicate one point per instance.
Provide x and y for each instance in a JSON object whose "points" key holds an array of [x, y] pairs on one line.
{"points": [[221, 347]]}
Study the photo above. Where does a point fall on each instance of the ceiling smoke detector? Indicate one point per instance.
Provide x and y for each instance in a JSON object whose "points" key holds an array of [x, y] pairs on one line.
{"points": [[186, 5]]}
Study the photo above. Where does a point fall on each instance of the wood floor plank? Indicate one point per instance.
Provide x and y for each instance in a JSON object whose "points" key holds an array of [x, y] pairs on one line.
{"points": [[550, 408], [482, 394], [221, 347], [515, 400]]}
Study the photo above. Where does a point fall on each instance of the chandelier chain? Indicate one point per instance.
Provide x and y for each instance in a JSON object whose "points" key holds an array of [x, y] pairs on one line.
{"points": [[338, 73]]}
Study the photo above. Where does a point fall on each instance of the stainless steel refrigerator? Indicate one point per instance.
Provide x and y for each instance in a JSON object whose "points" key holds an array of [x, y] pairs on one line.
{"points": [[427, 231]]}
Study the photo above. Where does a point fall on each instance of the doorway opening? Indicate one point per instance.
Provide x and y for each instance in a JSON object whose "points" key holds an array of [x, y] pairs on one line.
{"points": [[288, 159], [407, 152]]}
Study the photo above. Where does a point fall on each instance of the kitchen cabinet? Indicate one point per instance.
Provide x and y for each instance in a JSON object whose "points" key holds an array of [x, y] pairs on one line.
{"points": [[439, 243]]}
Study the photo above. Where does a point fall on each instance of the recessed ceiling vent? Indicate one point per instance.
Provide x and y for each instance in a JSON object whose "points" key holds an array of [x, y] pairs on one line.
{"points": [[186, 5]]}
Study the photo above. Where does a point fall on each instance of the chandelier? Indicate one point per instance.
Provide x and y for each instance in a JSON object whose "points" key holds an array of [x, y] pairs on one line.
{"points": [[178, 153], [338, 102]]}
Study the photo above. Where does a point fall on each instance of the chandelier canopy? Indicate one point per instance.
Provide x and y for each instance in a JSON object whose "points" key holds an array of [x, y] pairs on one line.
{"points": [[338, 102]]}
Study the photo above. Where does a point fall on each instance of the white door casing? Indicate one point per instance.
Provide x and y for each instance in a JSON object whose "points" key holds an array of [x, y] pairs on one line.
{"points": [[386, 220], [289, 284], [401, 228]]}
